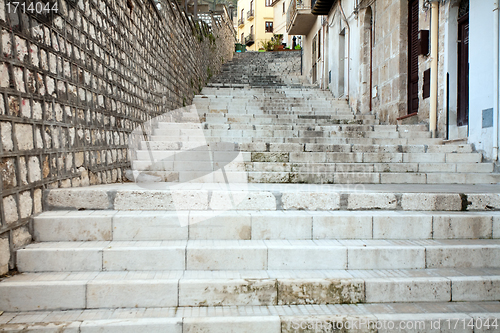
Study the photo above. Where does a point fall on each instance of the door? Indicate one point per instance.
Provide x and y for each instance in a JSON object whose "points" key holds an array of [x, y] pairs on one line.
{"points": [[463, 71], [413, 12], [341, 63]]}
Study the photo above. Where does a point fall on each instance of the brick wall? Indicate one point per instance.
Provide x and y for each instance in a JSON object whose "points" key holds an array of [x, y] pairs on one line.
{"points": [[74, 85]]}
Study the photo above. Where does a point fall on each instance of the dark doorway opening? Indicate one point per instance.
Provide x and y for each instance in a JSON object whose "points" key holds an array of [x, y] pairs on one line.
{"points": [[413, 13], [463, 64]]}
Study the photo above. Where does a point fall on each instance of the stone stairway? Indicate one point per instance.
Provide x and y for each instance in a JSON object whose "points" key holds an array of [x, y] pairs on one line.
{"points": [[221, 248]]}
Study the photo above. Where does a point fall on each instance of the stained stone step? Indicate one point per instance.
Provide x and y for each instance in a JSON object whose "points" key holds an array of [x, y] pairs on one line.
{"points": [[159, 150], [101, 290], [320, 177], [220, 255], [203, 140], [270, 197], [57, 226], [373, 317], [234, 134], [192, 161], [294, 153], [317, 147]]}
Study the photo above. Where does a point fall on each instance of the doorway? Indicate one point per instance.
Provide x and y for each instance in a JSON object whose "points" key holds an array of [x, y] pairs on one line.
{"points": [[463, 64], [413, 13], [342, 63]]}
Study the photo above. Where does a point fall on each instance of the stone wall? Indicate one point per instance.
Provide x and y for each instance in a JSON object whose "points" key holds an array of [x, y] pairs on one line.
{"points": [[74, 84], [390, 60]]}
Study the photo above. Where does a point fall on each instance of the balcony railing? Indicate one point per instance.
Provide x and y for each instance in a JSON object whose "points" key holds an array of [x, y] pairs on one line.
{"points": [[249, 40], [241, 21], [294, 6], [250, 14]]}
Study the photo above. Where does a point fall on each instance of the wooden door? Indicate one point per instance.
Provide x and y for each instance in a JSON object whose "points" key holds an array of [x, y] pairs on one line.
{"points": [[463, 71], [413, 12]]}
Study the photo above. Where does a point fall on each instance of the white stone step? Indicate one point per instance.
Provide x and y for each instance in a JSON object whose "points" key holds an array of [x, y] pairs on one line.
{"points": [[423, 317], [257, 255], [92, 225], [101, 290], [234, 173], [193, 196]]}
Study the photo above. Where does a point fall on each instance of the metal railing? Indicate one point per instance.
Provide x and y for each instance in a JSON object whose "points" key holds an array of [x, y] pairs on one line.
{"points": [[250, 14], [241, 21], [294, 6], [249, 39]]}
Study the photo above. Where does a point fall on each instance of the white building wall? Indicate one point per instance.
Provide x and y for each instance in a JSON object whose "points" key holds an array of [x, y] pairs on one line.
{"points": [[481, 73]]}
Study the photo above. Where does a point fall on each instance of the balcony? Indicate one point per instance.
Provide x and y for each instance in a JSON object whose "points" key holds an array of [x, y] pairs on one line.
{"points": [[322, 7], [249, 40], [241, 22], [250, 14], [299, 19]]}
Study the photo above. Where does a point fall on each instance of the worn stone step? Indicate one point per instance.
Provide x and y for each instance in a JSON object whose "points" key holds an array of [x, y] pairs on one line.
{"points": [[216, 255], [423, 317], [188, 162], [236, 174], [56, 226], [101, 290], [193, 196]]}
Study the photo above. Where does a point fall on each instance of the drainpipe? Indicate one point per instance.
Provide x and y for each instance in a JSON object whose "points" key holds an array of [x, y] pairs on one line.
{"points": [[496, 83], [434, 66]]}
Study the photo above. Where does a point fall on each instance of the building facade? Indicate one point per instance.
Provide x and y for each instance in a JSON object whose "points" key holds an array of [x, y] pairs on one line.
{"points": [[255, 22], [410, 61]]}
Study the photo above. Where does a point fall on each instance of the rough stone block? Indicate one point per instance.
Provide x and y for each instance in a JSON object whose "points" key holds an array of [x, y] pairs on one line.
{"points": [[6, 133], [431, 202], [310, 201], [24, 136], [222, 292], [161, 200], [85, 199], [225, 200], [4, 255], [25, 204], [320, 291], [10, 209], [361, 201]]}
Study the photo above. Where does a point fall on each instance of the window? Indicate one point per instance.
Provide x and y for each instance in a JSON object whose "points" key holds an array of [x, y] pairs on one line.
{"points": [[319, 44], [242, 38], [251, 30], [269, 3], [269, 26], [242, 16], [283, 7]]}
